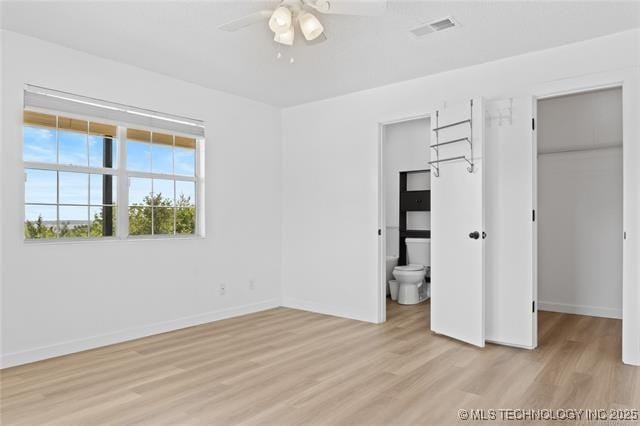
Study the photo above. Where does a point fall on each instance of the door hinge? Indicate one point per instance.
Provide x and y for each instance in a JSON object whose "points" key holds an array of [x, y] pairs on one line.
{"points": [[379, 231], [533, 124], [533, 306], [533, 215], [624, 235]]}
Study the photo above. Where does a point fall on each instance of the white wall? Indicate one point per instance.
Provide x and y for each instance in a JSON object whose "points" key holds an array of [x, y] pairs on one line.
{"points": [[580, 203], [55, 300], [405, 147], [330, 177]]}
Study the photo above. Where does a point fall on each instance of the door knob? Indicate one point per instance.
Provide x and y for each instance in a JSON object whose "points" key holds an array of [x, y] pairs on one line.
{"points": [[474, 235]]}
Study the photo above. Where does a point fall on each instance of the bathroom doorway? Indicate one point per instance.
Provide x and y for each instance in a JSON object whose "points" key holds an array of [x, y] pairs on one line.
{"points": [[404, 212], [579, 214]]}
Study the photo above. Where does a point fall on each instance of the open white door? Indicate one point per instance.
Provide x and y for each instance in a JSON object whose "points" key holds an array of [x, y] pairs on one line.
{"points": [[457, 222]]}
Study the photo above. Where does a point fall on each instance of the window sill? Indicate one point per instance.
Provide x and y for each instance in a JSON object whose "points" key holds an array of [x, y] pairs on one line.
{"points": [[111, 240]]}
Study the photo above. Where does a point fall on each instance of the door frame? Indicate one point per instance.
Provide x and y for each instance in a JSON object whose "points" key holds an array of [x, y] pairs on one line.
{"points": [[382, 224], [627, 80]]}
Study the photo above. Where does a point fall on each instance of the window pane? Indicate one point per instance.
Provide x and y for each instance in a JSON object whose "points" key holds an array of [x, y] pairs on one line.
{"points": [[103, 152], [74, 188], [139, 220], [102, 221], [185, 159], [162, 158], [39, 145], [185, 220], [73, 148], [163, 220], [139, 191], [138, 156], [40, 222], [103, 189], [162, 192], [74, 221], [41, 186], [185, 194]]}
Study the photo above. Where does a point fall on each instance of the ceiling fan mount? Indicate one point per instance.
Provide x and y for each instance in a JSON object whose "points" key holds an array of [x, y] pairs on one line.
{"points": [[290, 14]]}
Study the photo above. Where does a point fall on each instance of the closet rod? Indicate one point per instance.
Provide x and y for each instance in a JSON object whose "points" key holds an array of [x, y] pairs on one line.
{"points": [[599, 148]]}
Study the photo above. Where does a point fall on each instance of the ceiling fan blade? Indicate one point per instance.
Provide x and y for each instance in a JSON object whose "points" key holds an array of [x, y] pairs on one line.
{"points": [[320, 39], [349, 7], [245, 21]]}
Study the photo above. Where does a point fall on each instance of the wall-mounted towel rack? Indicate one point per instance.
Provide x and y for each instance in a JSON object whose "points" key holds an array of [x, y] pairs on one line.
{"points": [[457, 123], [450, 142], [444, 160], [435, 163]]}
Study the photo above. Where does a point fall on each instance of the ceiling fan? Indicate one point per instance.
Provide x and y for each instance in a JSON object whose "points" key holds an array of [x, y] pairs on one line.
{"points": [[283, 19]]}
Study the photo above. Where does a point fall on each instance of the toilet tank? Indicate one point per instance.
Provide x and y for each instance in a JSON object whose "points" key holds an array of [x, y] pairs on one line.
{"points": [[418, 251]]}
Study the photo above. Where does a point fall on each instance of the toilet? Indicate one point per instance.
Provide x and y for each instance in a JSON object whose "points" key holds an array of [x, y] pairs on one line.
{"points": [[410, 278]]}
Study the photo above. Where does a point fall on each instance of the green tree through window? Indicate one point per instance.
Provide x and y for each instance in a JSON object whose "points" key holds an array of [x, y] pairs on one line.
{"points": [[139, 220]]}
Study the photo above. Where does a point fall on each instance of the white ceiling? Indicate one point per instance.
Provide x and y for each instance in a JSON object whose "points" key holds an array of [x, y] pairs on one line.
{"points": [[181, 39]]}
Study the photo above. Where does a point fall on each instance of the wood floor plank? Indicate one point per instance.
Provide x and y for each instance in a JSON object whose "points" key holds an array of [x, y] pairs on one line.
{"points": [[289, 367]]}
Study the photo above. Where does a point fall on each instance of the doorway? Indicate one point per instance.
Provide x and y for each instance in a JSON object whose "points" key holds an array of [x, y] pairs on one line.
{"points": [[579, 179], [404, 177]]}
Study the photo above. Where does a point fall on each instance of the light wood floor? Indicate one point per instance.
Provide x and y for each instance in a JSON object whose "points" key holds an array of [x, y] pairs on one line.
{"points": [[286, 367]]}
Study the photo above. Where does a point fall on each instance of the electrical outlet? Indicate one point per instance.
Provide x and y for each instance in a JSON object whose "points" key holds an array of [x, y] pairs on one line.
{"points": [[223, 289], [252, 284]]}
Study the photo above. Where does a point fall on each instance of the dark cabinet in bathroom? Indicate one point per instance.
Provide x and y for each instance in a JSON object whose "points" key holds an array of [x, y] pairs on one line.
{"points": [[411, 201]]}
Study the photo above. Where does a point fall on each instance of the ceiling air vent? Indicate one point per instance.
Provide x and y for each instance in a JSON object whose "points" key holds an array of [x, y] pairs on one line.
{"points": [[434, 26]]}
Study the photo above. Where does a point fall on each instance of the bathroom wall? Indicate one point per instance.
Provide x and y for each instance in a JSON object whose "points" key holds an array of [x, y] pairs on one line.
{"points": [[580, 203], [405, 146]]}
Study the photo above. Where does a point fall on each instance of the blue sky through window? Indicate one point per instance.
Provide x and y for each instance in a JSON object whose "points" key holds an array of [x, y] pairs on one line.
{"points": [[48, 213], [164, 187], [96, 151], [188, 189], [162, 158], [73, 148], [138, 189], [39, 145], [138, 156], [74, 188], [185, 161], [40, 186]]}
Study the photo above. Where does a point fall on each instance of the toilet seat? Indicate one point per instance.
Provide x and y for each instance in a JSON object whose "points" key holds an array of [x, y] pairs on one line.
{"points": [[411, 267]]}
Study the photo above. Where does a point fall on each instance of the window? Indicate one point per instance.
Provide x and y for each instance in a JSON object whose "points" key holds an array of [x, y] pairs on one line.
{"points": [[161, 169], [70, 177], [82, 175]]}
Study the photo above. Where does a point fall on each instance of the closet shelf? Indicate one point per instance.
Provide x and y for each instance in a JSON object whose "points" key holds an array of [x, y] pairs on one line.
{"points": [[457, 123], [450, 142]]}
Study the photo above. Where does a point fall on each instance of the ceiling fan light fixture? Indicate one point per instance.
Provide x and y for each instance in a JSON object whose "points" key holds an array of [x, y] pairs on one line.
{"points": [[280, 20], [322, 6], [310, 26], [285, 37]]}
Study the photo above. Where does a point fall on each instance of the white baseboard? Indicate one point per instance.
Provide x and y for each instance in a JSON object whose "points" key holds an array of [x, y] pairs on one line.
{"points": [[592, 311], [317, 308], [65, 348]]}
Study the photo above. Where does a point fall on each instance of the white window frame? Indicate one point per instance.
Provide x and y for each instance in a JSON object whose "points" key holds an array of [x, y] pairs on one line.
{"points": [[121, 232], [128, 174]]}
